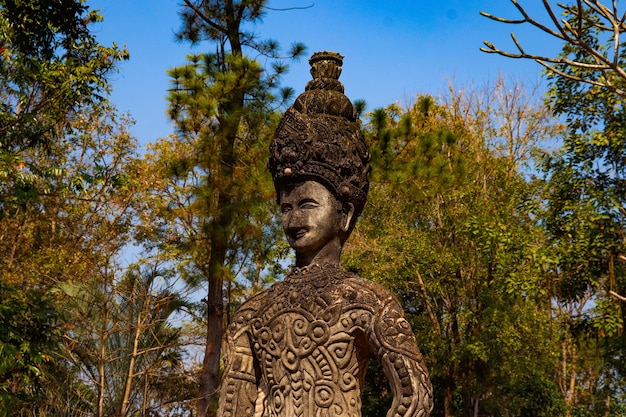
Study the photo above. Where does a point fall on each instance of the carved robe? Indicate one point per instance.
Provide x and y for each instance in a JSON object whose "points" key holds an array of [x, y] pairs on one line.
{"points": [[301, 349]]}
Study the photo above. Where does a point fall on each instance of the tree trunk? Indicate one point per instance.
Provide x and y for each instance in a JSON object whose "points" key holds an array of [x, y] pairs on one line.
{"points": [[102, 358], [210, 373], [131, 366], [229, 119], [219, 235], [448, 401], [101, 376]]}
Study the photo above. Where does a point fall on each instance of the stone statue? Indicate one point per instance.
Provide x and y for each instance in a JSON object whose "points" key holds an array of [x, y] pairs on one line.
{"points": [[301, 347]]}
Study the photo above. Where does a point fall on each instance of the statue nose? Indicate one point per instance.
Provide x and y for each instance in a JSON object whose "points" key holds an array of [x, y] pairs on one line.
{"points": [[287, 219], [292, 219]]}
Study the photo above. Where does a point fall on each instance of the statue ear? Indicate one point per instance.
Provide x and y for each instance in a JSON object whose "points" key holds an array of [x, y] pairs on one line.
{"points": [[348, 213]]}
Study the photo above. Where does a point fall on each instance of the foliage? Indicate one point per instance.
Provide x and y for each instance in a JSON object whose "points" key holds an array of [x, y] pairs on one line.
{"points": [[51, 68], [223, 107], [122, 342], [583, 211], [510, 282], [376, 396], [27, 335], [77, 210], [67, 186], [118, 352], [446, 227], [50, 65], [592, 55]]}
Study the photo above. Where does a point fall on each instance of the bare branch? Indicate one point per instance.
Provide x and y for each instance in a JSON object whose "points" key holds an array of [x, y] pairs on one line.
{"points": [[606, 85], [603, 11], [517, 44], [503, 20], [574, 33], [580, 19], [616, 295], [290, 8], [556, 21], [527, 19]]}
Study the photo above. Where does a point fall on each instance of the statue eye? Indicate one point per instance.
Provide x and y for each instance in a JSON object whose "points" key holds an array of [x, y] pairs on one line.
{"points": [[285, 208], [308, 204]]}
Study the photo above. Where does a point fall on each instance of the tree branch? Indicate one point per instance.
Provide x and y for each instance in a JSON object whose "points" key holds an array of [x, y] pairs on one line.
{"points": [[289, 8], [202, 16], [606, 84], [610, 67]]}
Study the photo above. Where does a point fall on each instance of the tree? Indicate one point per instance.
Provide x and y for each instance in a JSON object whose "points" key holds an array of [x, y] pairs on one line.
{"points": [[222, 104], [59, 228], [115, 350], [584, 211], [593, 52], [179, 204], [27, 336], [50, 65], [585, 229], [69, 182], [122, 343], [447, 214]]}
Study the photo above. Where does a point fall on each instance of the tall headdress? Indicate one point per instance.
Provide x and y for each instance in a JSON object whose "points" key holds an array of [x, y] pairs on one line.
{"points": [[319, 137]]}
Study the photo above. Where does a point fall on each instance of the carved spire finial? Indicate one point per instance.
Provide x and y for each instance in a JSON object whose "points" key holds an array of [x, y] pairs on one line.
{"points": [[326, 65]]}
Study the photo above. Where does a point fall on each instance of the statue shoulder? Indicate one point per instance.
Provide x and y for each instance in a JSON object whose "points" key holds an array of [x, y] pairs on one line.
{"points": [[249, 308], [369, 285], [367, 293]]}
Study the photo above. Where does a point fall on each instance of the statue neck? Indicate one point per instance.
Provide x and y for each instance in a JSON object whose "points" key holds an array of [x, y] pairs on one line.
{"points": [[329, 254]]}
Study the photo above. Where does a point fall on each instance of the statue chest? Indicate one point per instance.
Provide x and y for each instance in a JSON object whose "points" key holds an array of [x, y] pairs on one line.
{"points": [[310, 342]]}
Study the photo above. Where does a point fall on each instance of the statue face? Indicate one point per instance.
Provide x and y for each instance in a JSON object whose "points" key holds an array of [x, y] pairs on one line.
{"points": [[312, 217]]}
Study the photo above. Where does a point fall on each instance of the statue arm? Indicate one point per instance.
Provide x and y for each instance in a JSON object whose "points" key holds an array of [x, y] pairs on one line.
{"points": [[239, 389], [395, 346]]}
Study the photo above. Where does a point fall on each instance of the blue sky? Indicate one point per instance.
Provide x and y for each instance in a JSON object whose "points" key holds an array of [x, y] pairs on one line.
{"points": [[393, 49]]}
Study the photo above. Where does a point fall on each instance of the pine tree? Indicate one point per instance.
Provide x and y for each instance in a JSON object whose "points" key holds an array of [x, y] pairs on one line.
{"points": [[223, 105]]}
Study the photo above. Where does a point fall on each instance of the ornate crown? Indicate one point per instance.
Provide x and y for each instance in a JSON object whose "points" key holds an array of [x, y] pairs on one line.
{"points": [[319, 137]]}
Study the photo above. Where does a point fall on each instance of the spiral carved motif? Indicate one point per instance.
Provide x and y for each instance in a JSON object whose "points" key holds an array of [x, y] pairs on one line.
{"points": [[311, 337]]}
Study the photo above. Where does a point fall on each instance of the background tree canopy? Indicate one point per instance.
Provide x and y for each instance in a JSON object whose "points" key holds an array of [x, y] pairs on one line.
{"points": [[119, 267]]}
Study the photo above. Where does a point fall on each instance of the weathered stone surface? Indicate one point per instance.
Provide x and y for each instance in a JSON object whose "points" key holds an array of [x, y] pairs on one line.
{"points": [[319, 138], [301, 347]]}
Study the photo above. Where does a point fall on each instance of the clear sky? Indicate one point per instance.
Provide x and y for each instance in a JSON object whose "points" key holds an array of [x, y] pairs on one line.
{"points": [[393, 49]]}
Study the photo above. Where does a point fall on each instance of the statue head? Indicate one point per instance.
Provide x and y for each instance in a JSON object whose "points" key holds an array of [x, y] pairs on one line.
{"points": [[319, 139]]}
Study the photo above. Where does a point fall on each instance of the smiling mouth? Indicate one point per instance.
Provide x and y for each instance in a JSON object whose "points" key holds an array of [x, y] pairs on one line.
{"points": [[297, 233]]}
